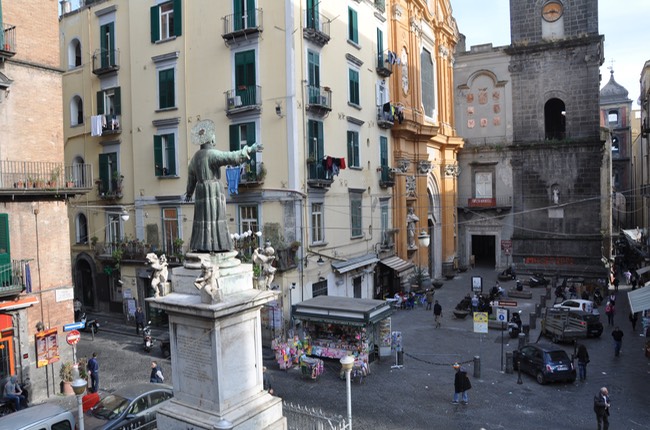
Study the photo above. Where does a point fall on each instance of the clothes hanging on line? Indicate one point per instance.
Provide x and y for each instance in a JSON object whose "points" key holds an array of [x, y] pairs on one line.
{"points": [[232, 176], [392, 58], [96, 125]]}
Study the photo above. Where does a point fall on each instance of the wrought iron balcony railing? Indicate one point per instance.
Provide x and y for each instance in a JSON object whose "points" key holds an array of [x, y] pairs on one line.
{"points": [[318, 177], [106, 61], [12, 277], [317, 28], [387, 177], [319, 99], [236, 26], [385, 119], [384, 64], [7, 40], [243, 99], [44, 176]]}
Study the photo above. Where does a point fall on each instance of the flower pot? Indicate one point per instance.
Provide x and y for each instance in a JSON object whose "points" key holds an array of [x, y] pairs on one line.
{"points": [[66, 388]]}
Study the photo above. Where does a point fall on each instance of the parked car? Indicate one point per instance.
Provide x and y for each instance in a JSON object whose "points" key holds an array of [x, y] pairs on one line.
{"points": [[576, 304], [594, 326], [133, 406], [46, 416], [545, 363]]}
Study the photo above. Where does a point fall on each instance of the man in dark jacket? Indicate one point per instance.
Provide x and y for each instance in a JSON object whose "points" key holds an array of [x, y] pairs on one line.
{"points": [[461, 385], [601, 407], [617, 334], [93, 370], [139, 320], [583, 358], [437, 313], [156, 375]]}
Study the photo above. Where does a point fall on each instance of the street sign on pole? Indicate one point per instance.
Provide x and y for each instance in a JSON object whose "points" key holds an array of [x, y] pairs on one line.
{"points": [[507, 303], [74, 326], [502, 315], [73, 337]]}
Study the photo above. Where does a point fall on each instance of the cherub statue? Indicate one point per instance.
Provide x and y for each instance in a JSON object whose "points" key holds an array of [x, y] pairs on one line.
{"points": [[207, 281], [160, 272], [265, 259]]}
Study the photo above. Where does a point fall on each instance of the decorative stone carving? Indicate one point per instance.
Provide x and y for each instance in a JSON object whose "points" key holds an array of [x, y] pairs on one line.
{"points": [[411, 219], [410, 186], [424, 167], [403, 165], [452, 170], [160, 272], [265, 257], [207, 283]]}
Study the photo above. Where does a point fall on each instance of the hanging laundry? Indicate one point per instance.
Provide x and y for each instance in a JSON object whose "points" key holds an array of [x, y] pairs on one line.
{"points": [[96, 125], [342, 163], [232, 176]]}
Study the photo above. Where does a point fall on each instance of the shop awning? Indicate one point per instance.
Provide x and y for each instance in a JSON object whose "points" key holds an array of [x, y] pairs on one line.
{"points": [[342, 310], [642, 270], [639, 299], [19, 303], [397, 264], [354, 263]]}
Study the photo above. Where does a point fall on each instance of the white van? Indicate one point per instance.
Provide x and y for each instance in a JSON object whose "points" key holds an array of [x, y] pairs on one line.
{"points": [[46, 416]]}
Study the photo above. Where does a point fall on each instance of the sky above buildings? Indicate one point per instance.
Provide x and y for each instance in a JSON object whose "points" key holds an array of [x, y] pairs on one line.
{"points": [[620, 21]]}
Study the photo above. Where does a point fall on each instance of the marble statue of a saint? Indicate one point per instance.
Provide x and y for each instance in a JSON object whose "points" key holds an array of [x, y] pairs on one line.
{"points": [[411, 219], [210, 228]]}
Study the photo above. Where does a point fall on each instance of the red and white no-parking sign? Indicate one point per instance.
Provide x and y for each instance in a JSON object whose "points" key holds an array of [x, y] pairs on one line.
{"points": [[73, 337]]}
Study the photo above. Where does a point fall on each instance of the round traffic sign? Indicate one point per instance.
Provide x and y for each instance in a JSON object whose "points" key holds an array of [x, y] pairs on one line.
{"points": [[73, 337]]}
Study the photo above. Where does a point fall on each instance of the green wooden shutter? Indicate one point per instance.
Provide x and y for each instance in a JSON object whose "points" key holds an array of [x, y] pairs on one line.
{"points": [[155, 23], [321, 142], [166, 88], [250, 140], [383, 151], [313, 60], [106, 36], [157, 155], [354, 86], [380, 47], [171, 155], [350, 150], [117, 101], [238, 8], [353, 32], [104, 171], [2, 33], [312, 14], [178, 18], [250, 11], [245, 77], [100, 102], [5, 251]]}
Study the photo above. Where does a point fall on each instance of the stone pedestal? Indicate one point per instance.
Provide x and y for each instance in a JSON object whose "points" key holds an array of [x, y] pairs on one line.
{"points": [[216, 353]]}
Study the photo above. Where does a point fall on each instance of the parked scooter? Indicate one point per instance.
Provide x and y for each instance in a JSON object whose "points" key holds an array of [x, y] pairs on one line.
{"points": [[90, 324], [146, 337], [537, 280], [514, 325]]}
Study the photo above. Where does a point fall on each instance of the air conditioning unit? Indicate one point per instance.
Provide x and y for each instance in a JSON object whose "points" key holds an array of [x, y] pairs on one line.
{"points": [[234, 102]]}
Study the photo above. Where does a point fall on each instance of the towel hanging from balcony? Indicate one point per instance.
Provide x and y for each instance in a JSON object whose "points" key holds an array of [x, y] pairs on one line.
{"points": [[96, 125], [232, 176]]}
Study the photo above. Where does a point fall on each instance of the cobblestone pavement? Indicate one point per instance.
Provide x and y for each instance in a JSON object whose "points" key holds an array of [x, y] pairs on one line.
{"points": [[418, 396]]}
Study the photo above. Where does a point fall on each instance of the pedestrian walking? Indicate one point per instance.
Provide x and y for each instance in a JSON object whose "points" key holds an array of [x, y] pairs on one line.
{"points": [[617, 334], [475, 303], [139, 320], [635, 281], [429, 298], [437, 314], [156, 375], [601, 407], [583, 359], [616, 284], [609, 311], [461, 385], [634, 317], [93, 370], [628, 276], [266, 381]]}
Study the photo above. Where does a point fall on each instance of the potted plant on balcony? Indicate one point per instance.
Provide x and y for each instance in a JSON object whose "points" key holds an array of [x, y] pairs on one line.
{"points": [[70, 182], [55, 174]]}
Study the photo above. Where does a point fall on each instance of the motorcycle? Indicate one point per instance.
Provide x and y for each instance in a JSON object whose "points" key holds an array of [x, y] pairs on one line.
{"points": [[514, 325], [90, 324], [537, 280], [147, 339]]}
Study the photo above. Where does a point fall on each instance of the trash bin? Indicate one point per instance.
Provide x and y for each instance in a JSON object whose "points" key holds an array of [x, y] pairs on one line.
{"points": [[400, 358]]}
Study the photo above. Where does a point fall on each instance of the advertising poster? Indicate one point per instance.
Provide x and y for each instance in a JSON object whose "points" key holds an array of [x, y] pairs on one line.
{"points": [[47, 347], [480, 322]]}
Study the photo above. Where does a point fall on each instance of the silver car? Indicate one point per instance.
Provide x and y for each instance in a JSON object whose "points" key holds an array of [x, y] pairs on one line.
{"points": [[133, 406]]}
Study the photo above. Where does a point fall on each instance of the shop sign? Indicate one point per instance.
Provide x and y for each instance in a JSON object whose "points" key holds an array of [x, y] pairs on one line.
{"points": [[480, 322], [47, 347]]}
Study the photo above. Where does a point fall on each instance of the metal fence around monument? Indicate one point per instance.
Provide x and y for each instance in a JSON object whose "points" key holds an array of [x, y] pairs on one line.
{"points": [[305, 418]]}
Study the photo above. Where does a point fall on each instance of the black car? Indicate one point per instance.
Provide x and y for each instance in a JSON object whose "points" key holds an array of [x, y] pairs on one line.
{"points": [[133, 406], [545, 363]]}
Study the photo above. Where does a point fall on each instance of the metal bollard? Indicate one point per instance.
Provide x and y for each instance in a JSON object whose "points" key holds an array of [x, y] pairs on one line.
{"points": [[533, 321], [548, 293], [509, 362], [538, 310], [525, 328], [477, 366], [522, 339], [542, 301]]}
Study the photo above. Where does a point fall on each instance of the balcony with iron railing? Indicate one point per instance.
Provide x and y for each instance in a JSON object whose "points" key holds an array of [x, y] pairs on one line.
{"points": [[241, 26], [317, 28], [7, 40], [12, 276], [386, 176], [34, 178], [319, 177], [244, 98], [252, 175], [319, 99], [500, 203], [385, 118], [384, 64], [106, 61], [111, 124], [110, 188]]}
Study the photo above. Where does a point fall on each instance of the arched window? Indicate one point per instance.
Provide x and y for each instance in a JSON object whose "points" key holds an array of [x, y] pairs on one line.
{"points": [[74, 54], [76, 111], [78, 174], [555, 119], [81, 228]]}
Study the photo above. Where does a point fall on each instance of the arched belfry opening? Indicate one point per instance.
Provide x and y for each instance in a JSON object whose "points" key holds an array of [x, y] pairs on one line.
{"points": [[555, 119]]}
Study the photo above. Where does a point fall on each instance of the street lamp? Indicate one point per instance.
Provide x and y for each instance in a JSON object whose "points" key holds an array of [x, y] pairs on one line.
{"points": [[79, 386], [424, 239], [124, 215], [347, 362]]}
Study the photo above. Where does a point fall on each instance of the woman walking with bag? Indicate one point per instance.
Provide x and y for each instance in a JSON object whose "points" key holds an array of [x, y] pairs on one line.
{"points": [[461, 385]]}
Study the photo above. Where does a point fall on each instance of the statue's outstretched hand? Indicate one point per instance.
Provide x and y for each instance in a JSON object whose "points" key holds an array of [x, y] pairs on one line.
{"points": [[188, 197]]}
